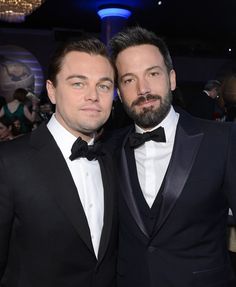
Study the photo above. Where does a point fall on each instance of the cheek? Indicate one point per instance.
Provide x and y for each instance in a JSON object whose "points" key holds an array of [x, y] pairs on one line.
{"points": [[160, 89], [107, 107], [64, 103], [128, 95], [106, 100]]}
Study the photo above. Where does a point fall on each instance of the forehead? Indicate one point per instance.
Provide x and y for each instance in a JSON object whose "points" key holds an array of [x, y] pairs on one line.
{"points": [[139, 57], [81, 62]]}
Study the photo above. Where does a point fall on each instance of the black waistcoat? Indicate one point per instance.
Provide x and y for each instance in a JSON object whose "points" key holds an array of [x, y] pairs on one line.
{"points": [[149, 215]]}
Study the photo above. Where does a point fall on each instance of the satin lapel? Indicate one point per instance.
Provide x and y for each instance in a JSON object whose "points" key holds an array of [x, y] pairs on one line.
{"points": [[109, 189], [127, 190], [183, 156], [59, 181]]}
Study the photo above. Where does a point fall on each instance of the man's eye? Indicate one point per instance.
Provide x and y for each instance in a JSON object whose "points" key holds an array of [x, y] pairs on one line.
{"points": [[127, 81], [154, 74], [78, 84], [104, 87]]}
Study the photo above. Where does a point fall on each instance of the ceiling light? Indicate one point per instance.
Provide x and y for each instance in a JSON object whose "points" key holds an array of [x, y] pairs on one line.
{"points": [[114, 12]]}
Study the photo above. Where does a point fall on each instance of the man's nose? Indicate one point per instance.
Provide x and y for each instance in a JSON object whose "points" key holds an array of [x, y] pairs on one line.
{"points": [[92, 94], [143, 87]]}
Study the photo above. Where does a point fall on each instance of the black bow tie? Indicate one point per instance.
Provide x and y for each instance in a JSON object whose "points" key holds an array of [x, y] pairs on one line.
{"points": [[80, 148], [137, 139]]}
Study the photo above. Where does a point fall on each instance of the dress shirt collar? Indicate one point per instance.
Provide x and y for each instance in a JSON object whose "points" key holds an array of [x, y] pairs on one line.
{"points": [[169, 124], [59, 133]]}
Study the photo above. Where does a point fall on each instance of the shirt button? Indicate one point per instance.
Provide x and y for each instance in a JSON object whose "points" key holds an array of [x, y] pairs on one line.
{"points": [[90, 205]]}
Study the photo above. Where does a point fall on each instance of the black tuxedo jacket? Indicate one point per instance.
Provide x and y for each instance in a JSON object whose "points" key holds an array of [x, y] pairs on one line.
{"points": [[44, 235], [188, 247]]}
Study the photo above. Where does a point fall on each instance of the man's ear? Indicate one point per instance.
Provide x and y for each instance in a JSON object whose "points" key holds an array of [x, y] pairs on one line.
{"points": [[172, 80], [51, 91]]}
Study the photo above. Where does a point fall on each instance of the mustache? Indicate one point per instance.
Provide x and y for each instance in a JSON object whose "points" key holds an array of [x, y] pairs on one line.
{"points": [[145, 98]]}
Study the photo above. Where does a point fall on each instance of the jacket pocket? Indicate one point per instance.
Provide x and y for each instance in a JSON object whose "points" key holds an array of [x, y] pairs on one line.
{"points": [[215, 277]]}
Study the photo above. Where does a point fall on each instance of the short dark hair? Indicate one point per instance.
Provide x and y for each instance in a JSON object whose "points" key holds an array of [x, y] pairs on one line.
{"points": [[6, 121], [87, 44], [212, 84], [20, 94], [135, 36]]}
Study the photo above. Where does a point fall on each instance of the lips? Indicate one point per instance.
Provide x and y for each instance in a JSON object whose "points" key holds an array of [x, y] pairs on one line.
{"points": [[146, 100], [91, 109]]}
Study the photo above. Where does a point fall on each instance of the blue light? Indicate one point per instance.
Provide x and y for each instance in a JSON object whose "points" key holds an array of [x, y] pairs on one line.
{"points": [[114, 12]]}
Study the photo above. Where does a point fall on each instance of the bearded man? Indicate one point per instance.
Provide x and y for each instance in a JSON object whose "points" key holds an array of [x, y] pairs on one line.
{"points": [[177, 176]]}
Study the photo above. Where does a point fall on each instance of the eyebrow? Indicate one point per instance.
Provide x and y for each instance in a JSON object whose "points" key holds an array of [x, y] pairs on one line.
{"points": [[154, 67], [77, 76], [82, 77], [147, 70], [106, 79]]}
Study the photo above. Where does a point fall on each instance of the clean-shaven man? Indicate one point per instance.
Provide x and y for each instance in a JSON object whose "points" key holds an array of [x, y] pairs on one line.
{"points": [[57, 195]]}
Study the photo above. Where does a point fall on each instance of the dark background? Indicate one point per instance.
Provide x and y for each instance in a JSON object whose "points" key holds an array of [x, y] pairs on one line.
{"points": [[203, 27], [198, 33]]}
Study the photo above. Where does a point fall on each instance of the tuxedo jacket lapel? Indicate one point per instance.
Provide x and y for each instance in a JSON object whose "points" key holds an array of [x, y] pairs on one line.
{"points": [[123, 167], [105, 165], [60, 182], [187, 143]]}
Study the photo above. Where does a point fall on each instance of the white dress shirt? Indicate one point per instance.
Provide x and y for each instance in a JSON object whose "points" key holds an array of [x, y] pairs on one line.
{"points": [[87, 178], [152, 158]]}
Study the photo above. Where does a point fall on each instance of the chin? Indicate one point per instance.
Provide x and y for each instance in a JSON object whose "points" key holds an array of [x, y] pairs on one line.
{"points": [[91, 129]]}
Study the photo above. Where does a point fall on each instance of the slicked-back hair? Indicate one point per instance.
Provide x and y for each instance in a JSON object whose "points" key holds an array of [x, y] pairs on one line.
{"points": [[88, 44], [135, 36]]}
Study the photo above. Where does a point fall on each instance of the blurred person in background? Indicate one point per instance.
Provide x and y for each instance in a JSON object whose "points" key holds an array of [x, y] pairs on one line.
{"points": [[5, 129], [228, 92], [2, 101], [205, 105], [18, 109]]}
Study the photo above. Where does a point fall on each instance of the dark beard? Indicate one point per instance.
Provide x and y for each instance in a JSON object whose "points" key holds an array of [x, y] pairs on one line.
{"points": [[149, 117]]}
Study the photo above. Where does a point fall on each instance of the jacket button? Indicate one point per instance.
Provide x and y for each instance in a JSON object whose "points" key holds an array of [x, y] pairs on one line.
{"points": [[151, 249]]}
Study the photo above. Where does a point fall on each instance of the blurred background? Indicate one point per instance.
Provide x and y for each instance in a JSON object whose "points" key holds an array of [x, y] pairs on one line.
{"points": [[200, 35]]}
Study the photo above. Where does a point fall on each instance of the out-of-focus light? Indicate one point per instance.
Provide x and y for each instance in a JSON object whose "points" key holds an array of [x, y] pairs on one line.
{"points": [[159, 3], [230, 50], [16, 11], [114, 12]]}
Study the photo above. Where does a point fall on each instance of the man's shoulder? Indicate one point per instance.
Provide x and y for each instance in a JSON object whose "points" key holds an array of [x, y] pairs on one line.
{"points": [[191, 121], [113, 139], [14, 152], [23, 144], [14, 144]]}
